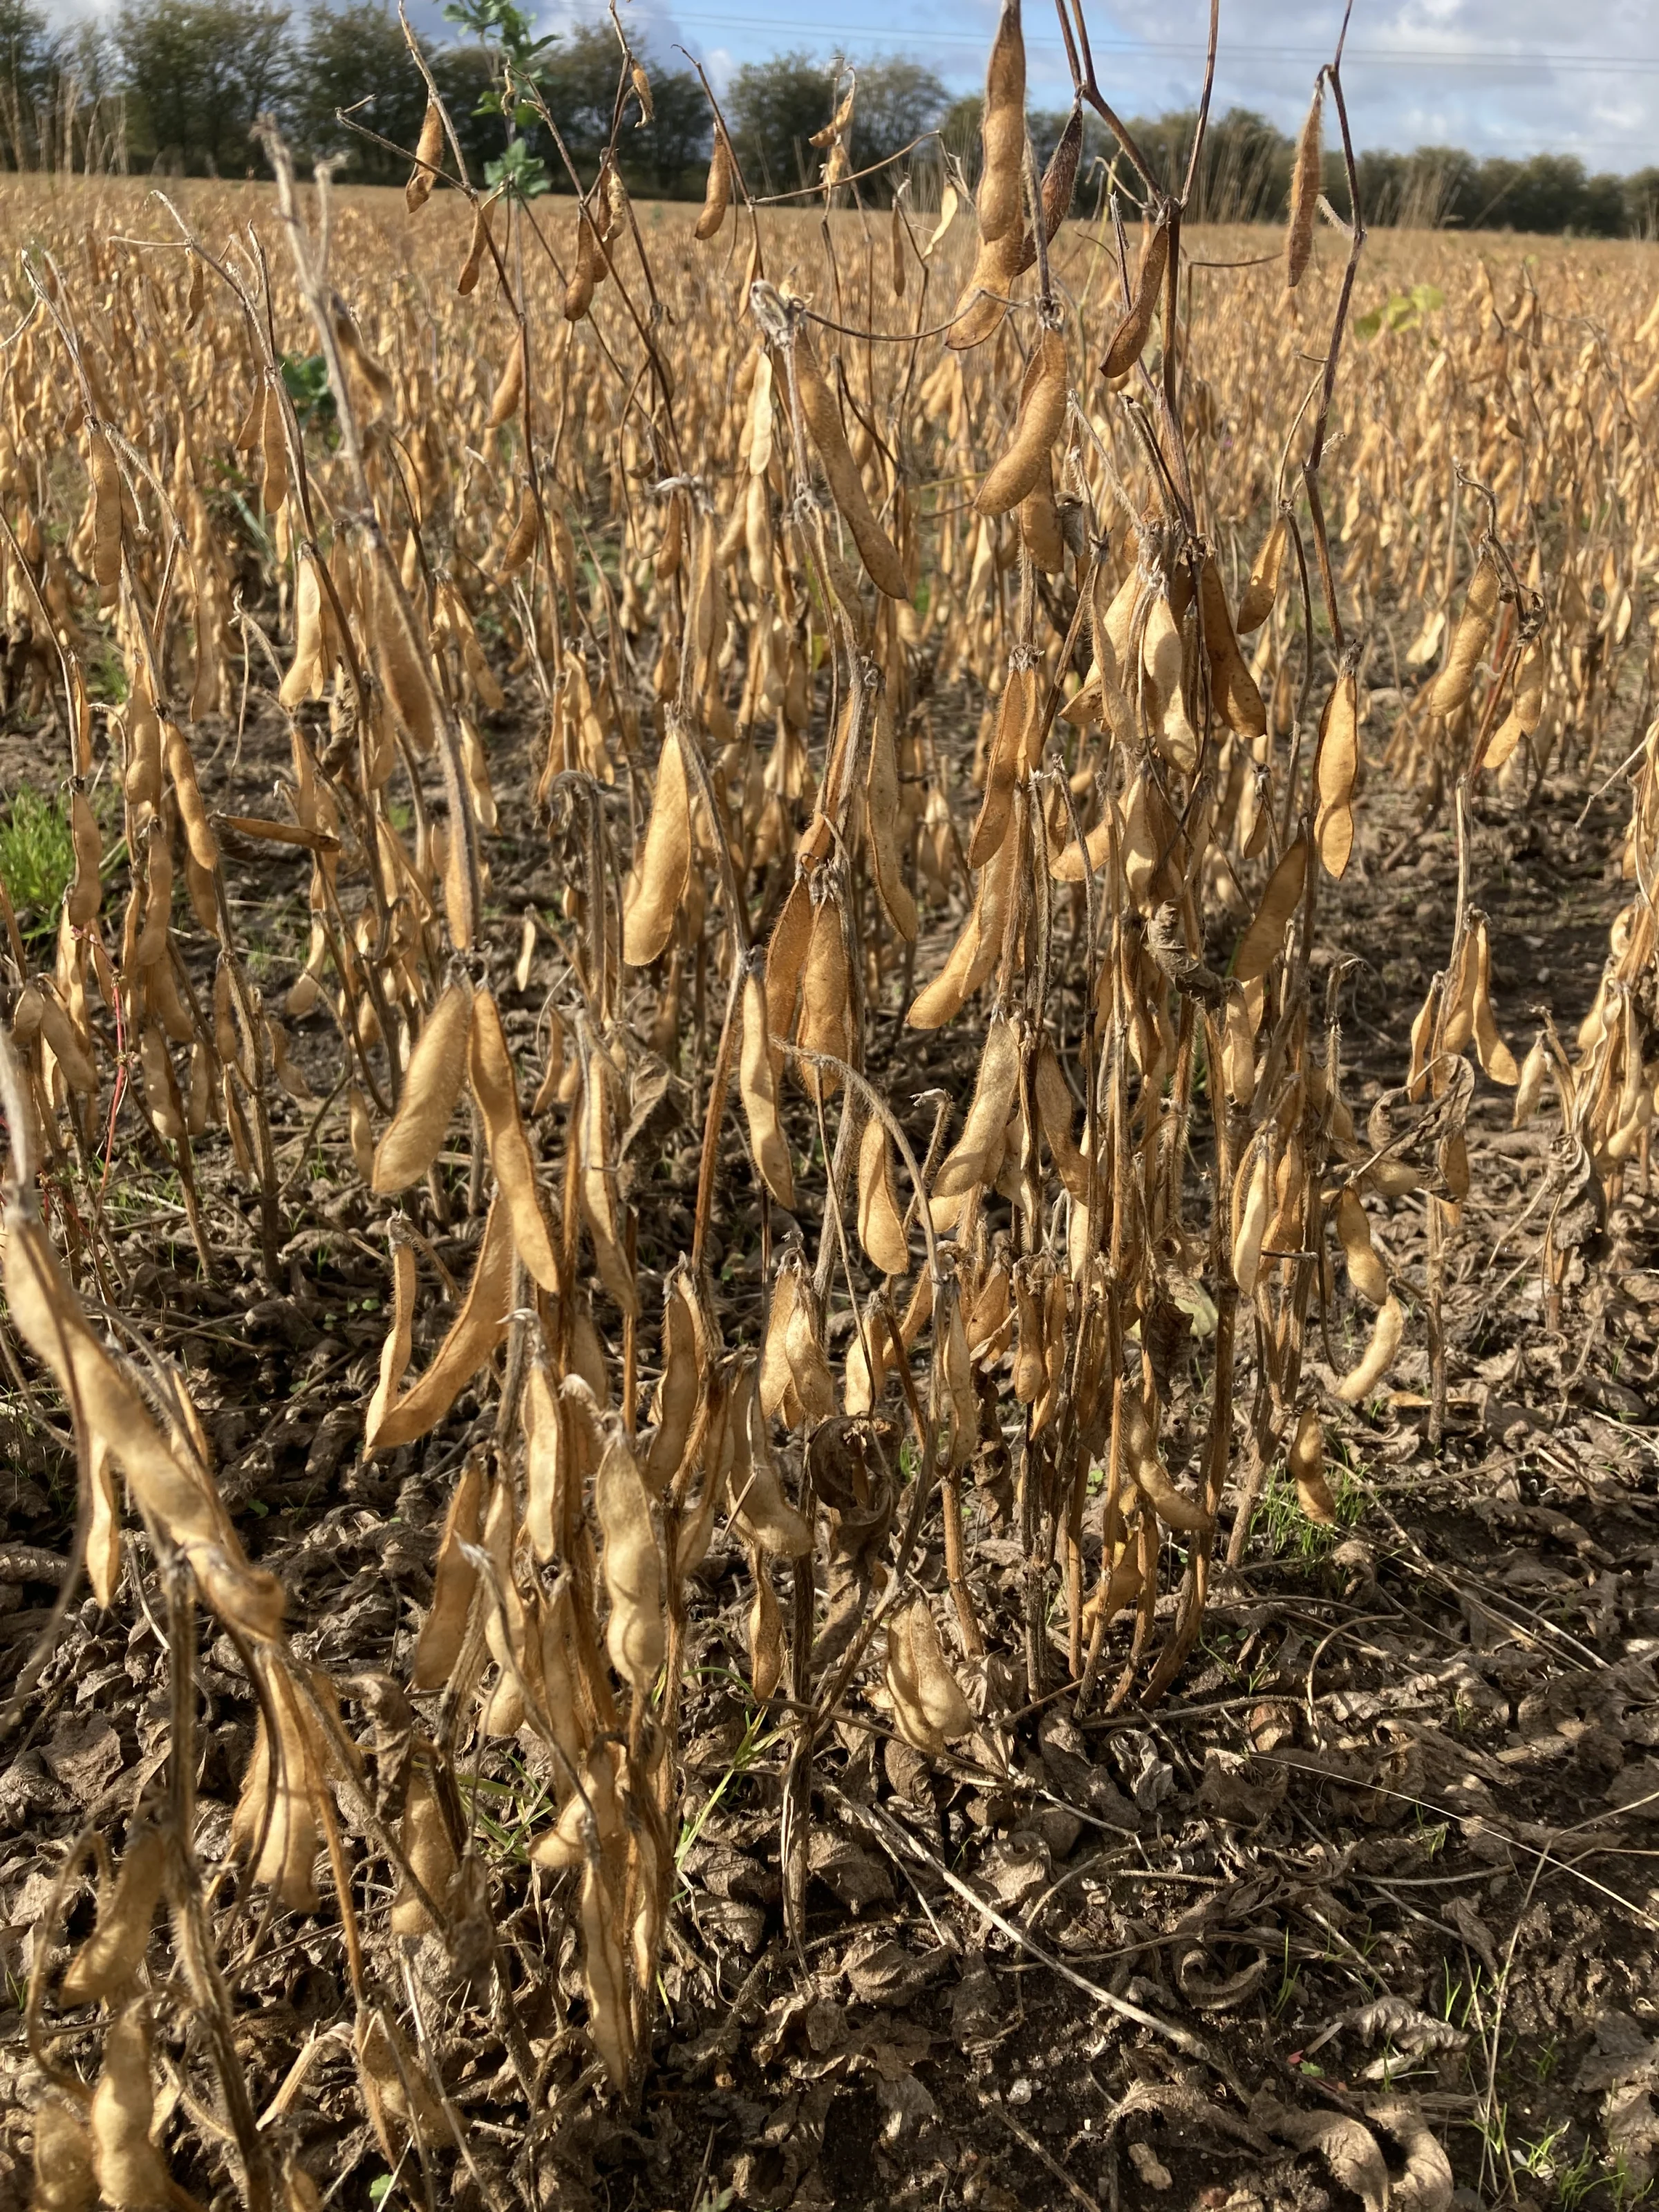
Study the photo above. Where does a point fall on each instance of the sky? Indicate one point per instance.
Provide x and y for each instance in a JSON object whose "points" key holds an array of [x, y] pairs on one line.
{"points": [[1499, 76]]}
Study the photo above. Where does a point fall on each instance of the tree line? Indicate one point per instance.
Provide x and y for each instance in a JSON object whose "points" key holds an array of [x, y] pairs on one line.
{"points": [[176, 87]]}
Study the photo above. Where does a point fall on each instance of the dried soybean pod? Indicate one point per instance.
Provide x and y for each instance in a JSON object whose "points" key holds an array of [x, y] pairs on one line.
{"points": [[466, 281], [977, 1153], [1018, 699], [600, 1191], [1306, 1461], [632, 1566], [881, 791], [765, 1629], [106, 474], [604, 1971], [1456, 680], [881, 1217], [1264, 939], [1262, 589], [1235, 687], [454, 1579], [509, 392], [1526, 710], [760, 1511], [677, 1393], [1531, 1086], [1252, 1201], [803, 1347], [113, 1954], [1386, 1333], [1040, 530], [1172, 1506], [1490, 1049], [1058, 182], [1129, 339], [399, 1338], [496, 1091], [273, 451], [1366, 1271], [428, 152], [981, 307], [1040, 417], [656, 889], [717, 193], [1002, 129], [775, 1383], [825, 985], [1305, 187], [131, 2173], [928, 1704], [63, 2178], [437, 1069], [756, 1086], [476, 1331], [1334, 769], [822, 417], [522, 540], [359, 1129], [424, 1837]]}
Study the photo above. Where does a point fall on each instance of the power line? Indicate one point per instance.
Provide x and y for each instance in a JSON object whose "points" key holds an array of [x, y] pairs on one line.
{"points": [[1389, 57]]}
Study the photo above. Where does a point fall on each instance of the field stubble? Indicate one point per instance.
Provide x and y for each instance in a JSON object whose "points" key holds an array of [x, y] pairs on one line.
{"points": [[836, 1440]]}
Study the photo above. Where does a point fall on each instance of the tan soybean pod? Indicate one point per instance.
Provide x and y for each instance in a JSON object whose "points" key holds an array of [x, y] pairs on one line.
{"points": [[1365, 1270], [822, 418], [1490, 1049], [1234, 689], [113, 1954], [1017, 704], [423, 1837], [476, 1331], [975, 1157], [982, 305], [432, 1084], [601, 1202], [1041, 418], [632, 1566], [428, 152], [1264, 940], [63, 2177], [974, 954], [1129, 339], [1526, 710], [443, 1631], [1335, 768], [495, 1087], [756, 1087], [604, 1972], [1305, 187], [508, 394], [50, 1318], [466, 280], [760, 1513], [825, 985], [1000, 198], [105, 473], [1378, 1357], [273, 451], [683, 1353], [928, 1703], [1530, 1088], [882, 821], [399, 1338], [86, 892], [131, 2173], [803, 1347], [765, 1630], [1262, 589], [1173, 1507], [1305, 1461], [881, 1217], [1252, 1201], [1456, 679], [1058, 183], [656, 889], [522, 540], [717, 192]]}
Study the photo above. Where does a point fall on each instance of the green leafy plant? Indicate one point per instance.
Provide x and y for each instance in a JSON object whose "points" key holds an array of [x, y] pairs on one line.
{"points": [[37, 860], [1403, 311]]}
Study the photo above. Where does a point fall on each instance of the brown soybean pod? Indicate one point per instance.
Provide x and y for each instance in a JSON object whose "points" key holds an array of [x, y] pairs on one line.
{"points": [[1456, 680], [1058, 183], [1305, 187], [757, 1088], [1041, 418], [1378, 1357], [466, 281], [882, 817], [509, 392], [131, 2173], [1306, 1462], [1002, 129], [493, 1086], [632, 1564], [981, 307], [437, 1069], [476, 1330], [822, 417], [428, 150], [106, 475], [1129, 340], [881, 1217], [1264, 939], [113, 1954], [656, 889], [717, 193], [1262, 588], [444, 1629]]}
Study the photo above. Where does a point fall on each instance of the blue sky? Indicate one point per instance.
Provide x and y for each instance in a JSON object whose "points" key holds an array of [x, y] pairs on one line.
{"points": [[1501, 76]]}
